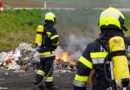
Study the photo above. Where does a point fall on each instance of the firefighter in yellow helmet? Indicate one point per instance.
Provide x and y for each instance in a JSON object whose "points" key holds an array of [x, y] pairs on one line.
{"points": [[46, 43], [98, 54]]}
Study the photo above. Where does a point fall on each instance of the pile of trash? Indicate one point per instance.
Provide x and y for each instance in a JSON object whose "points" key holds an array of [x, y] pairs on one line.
{"points": [[61, 66], [23, 58], [26, 58]]}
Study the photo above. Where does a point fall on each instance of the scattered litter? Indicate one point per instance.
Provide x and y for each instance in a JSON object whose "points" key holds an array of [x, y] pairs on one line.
{"points": [[23, 58], [26, 58]]}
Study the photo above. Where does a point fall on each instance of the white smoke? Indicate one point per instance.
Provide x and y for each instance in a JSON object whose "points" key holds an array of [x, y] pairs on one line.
{"points": [[75, 46], [59, 51]]}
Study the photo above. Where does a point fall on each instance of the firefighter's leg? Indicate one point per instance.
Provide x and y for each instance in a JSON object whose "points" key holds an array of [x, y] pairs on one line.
{"points": [[48, 67], [40, 73]]}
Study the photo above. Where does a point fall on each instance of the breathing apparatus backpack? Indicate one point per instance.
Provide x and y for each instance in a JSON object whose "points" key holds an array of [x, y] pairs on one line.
{"points": [[39, 32], [117, 56], [119, 61]]}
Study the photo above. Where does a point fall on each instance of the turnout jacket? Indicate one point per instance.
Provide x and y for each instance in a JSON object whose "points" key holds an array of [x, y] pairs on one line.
{"points": [[93, 59], [50, 41]]}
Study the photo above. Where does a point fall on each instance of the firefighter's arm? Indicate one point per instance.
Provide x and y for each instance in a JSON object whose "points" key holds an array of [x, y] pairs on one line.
{"points": [[128, 56], [127, 42], [128, 60], [84, 67], [55, 39]]}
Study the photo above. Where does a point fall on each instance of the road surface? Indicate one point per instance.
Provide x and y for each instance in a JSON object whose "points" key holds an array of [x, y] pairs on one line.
{"points": [[23, 80]]}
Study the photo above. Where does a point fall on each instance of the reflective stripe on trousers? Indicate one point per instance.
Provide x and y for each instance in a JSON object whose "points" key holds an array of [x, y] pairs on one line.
{"points": [[40, 72], [79, 83], [49, 79]]}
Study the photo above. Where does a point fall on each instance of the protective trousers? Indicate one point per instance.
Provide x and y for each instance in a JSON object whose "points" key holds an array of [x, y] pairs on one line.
{"points": [[46, 64], [100, 82]]}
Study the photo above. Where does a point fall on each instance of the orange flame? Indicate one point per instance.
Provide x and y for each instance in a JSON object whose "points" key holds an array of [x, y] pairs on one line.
{"points": [[65, 57]]}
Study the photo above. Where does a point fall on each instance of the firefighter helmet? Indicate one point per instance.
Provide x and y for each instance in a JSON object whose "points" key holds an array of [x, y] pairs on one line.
{"points": [[50, 17], [112, 17]]}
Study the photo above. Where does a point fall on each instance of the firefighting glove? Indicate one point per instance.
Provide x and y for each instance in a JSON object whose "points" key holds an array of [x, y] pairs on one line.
{"points": [[39, 49]]}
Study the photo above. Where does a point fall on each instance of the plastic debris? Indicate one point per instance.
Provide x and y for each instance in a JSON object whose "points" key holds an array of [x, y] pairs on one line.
{"points": [[26, 58], [22, 58]]}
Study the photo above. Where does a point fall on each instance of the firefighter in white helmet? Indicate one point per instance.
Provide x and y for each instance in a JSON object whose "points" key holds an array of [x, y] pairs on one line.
{"points": [[46, 43], [98, 54]]}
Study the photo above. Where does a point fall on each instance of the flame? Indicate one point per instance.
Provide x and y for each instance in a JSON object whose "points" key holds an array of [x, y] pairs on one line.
{"points": [[57, 58], [73, 62], [65, 57]]}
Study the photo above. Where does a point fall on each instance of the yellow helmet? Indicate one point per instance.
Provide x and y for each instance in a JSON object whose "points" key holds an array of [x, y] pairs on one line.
{"points": [[111, 17], [50, 17]]}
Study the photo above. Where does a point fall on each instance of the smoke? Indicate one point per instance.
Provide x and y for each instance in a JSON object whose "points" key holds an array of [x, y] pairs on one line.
{"points": [[59, 51], [75, 46]]}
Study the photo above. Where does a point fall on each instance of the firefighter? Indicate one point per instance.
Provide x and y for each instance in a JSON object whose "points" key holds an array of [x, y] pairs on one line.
{"points": [[111, 23], [46, 43]]}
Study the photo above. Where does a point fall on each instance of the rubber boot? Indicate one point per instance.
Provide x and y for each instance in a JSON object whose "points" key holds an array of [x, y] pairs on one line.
{"points": [[38, 79]]}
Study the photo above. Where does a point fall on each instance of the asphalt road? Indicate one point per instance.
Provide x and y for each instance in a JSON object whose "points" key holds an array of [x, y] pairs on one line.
{"points": [[23, 81]]}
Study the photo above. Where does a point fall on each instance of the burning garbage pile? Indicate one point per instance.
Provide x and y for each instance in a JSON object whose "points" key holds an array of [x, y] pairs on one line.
{"points": [[23, 58], [64, 63]]}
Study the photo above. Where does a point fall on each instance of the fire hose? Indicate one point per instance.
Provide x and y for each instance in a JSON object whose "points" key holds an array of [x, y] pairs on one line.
{"points": [[43, 81]]}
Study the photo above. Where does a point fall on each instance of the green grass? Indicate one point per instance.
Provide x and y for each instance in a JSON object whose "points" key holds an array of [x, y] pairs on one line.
{"points": [[18, 26]]}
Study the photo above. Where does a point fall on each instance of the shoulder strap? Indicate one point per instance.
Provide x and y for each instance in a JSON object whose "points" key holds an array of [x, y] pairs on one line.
{"points": [[102, 43]]}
